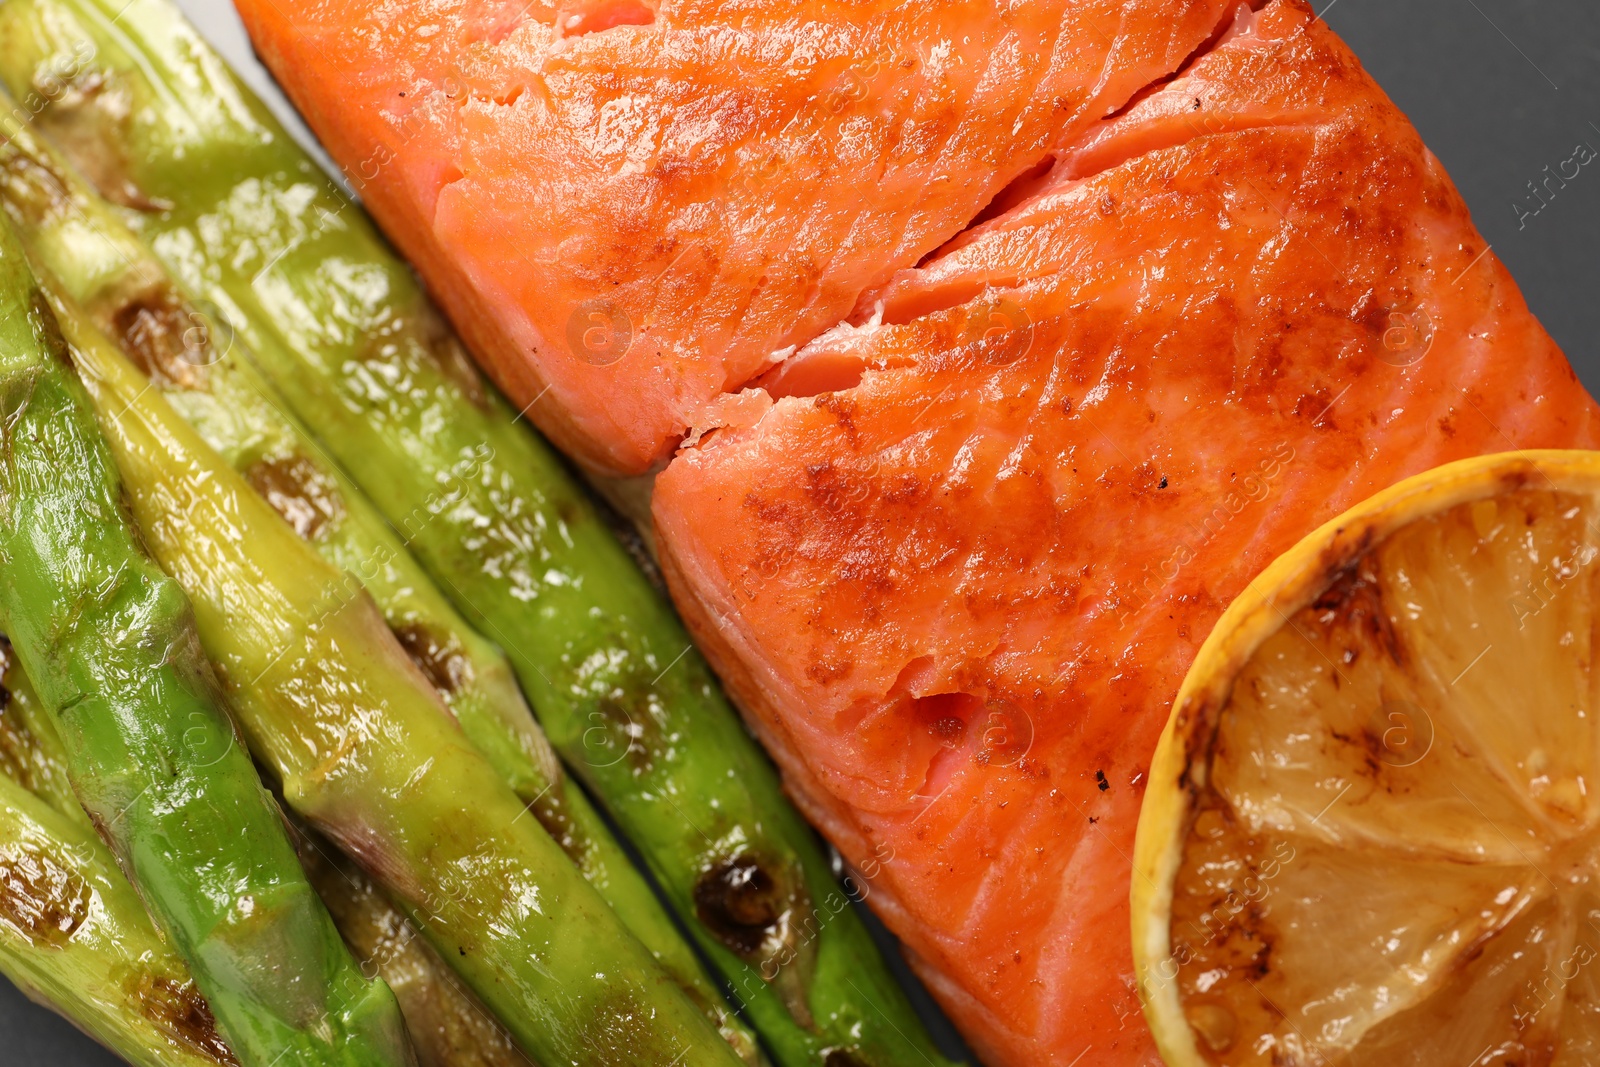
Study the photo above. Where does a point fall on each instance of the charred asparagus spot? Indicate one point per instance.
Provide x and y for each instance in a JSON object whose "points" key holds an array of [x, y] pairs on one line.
{"points": [[368, 755], [246, 220], [756, 916], [203, 372], [110, 643]]}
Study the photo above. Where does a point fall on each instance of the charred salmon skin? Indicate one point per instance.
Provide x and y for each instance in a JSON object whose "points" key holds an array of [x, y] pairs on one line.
{"points": [[958, 555], [633, 209]]}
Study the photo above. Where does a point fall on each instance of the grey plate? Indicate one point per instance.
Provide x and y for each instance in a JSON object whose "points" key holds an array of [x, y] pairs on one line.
{"points": [[1500, 89]]}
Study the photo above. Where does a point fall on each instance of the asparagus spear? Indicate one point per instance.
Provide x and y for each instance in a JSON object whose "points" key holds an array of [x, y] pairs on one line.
{"points": [[121, 984], [76, 238], [125, 987], [203, 372], [448, 1025], [366, 755], [73, 934], [339, 325], [110, 643]]}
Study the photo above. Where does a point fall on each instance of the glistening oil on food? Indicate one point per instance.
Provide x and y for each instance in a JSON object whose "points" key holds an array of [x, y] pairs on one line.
{"points": [[741, 465]]}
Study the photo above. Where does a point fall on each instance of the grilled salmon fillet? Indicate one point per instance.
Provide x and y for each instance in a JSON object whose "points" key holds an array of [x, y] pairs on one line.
{"points": [[998, 347], [956, 575], [632, 210]]}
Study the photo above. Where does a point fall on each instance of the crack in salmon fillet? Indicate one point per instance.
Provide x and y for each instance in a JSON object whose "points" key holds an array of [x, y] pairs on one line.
{"points": [[956, 591], [632, 211]]}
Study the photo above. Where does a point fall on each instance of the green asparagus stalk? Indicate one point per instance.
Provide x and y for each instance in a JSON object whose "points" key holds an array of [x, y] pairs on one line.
{"points": [[202, 371], [124, 985], [247, 221], [110, 643], [121, 984], [366, 753], [449, 1027], [77, 238], [73, 933]]}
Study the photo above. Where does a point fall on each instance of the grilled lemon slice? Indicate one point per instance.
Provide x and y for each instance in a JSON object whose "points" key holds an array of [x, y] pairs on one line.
{"points": [[1372, 831]]}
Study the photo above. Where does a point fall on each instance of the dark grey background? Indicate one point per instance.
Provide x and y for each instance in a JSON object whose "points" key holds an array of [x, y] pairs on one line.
{"points": [[1500, 89]]}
